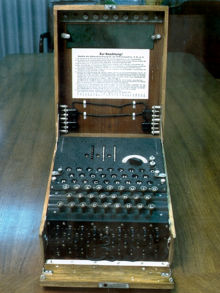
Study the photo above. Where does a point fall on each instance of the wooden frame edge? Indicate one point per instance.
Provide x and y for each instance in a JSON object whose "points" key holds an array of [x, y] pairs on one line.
{"points": [[93, 276], [118, 7], [47, 195]]}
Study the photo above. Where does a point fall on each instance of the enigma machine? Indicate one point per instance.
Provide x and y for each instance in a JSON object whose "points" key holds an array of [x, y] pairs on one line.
{"points": [[107, 220]]}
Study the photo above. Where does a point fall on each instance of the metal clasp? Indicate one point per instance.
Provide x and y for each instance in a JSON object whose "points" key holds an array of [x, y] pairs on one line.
{"points": [[110, 6]]}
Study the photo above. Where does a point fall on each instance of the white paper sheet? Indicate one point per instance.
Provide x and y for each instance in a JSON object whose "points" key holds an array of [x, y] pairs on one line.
{"points": [[110, 73]]}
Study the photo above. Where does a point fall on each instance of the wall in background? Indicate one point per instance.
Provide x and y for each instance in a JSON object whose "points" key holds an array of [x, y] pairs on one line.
{"points": [[21, 23]]}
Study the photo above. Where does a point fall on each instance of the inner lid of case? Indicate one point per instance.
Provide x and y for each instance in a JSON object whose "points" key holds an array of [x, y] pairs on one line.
{"points": [[89, 40]]}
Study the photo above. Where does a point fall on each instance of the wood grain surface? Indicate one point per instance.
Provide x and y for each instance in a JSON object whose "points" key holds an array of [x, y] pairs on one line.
{"points": [[192, 150]]}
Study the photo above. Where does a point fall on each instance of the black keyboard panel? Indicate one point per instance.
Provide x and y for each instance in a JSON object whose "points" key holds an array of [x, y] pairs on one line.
{"points": [[111, 184]]}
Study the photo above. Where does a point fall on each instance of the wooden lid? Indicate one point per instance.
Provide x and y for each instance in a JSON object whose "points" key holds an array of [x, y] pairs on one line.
{"points": [[123, 27]]}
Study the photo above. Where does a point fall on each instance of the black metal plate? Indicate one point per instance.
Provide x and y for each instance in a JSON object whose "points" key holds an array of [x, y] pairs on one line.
{"points": [[113, 35]]}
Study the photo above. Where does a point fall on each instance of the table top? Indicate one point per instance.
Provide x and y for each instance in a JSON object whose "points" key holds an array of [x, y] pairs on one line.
{"points": [[191, 142]]}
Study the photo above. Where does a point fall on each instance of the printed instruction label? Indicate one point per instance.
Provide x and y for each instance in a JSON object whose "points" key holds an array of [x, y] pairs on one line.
{"points": [[110, 73]]}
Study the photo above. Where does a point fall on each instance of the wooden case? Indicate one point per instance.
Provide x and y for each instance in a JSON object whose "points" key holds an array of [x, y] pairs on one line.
{"points": [[118, 274]]}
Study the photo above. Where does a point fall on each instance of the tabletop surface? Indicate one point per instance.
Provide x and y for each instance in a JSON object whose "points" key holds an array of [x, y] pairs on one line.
{"points": [[192, 153]]}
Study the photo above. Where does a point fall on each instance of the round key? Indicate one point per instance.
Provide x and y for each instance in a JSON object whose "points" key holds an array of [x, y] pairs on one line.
{"points": [[126, 198], [61, 206], [102, 197], [132, 188], [95, 16], [154, 188], [145, 16], [106, 207], [114, 197], [98, 187], [72, 206], [105, 16], [85, 16], [83, 206], [129, 208], [143, 188], [95, 206], [117, 207], [136, 16], [80, 196], [65, 186], [69, 196], [109, 187], [136, 198], [151, 207], [147, 197], [140, 207], [76, 187], [87, 187], [121, 187], [91, 197]]}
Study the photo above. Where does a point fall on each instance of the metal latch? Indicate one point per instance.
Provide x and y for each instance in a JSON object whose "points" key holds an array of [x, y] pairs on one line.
{"points": [[114, 285], [110, 6]]}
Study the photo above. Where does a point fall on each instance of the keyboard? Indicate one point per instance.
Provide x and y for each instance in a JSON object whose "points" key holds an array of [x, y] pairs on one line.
{"points": [[108, 200]]}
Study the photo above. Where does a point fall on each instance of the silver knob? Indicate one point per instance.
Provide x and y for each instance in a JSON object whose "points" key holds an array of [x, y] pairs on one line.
{"points": [[65, 36]]}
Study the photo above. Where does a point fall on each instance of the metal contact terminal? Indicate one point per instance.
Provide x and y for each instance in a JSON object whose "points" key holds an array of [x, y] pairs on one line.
{"points": [[156, 37]]}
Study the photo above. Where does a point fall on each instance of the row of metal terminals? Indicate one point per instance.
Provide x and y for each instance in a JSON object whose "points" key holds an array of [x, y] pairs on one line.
{"points": [[112, 16], [69, 117]]}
